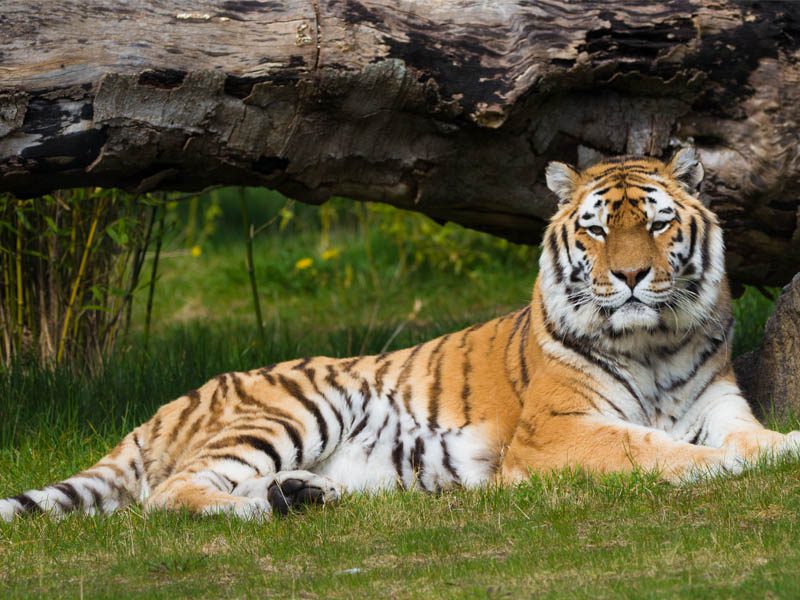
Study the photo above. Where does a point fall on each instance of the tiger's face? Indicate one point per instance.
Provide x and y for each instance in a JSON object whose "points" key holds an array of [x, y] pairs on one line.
{"points": [[631, 247]]}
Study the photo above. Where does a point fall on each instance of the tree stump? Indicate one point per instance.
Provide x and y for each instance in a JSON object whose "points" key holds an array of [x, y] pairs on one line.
{"points": [[770, 376]]}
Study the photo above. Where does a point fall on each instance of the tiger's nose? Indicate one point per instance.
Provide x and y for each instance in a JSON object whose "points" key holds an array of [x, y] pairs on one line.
{"points": [[631, 276]]}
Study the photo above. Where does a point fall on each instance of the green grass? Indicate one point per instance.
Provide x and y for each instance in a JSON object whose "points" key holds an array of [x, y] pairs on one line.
{"points": [[563, 535]]}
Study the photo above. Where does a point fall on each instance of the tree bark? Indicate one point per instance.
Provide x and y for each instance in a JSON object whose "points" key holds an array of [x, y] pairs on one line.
{"points": [[451, 108]]}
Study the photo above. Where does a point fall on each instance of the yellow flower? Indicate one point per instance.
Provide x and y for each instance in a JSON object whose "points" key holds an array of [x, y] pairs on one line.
{"points": [[196, 251], [330, 253], [303, 263]]}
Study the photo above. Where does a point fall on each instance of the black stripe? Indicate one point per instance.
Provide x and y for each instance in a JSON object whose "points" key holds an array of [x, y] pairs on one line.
{"points": [[493, 337], [571, 384], [523, 346], [265, 373], [235, 458], [348, 364], [294, 435], [97, 498], [565, 241], [406, 399], [221, 482], [646, 188], [379, 375], [194, 402], [435, 352], [435, 389], [156, 428], [232, 483], [213, 406], [261, 445], [407, 365], [466, 369], [377, 436], [331, 380], [302, 364], [359, 428], [397, 453], [28, 505], [294, 390], [417, 462], [568, 413], [522, 313], [133, 466], [711, 380], [692, 238], [704, 245], [70, 492], [311, 375], [417, 454], [366, 393], [711, 350], [556, 263], [244, 396], [447, 462]]}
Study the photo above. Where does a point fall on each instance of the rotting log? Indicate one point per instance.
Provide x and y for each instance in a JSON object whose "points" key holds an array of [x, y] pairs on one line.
{"points": [[451, 108]]}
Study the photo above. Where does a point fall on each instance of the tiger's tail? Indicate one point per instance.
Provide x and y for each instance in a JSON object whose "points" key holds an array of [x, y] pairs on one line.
{"points": [[112, 483]]}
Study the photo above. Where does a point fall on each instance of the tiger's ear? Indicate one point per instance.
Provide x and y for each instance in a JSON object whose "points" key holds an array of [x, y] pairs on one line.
{"points": [[561, 179], [686, 168]]}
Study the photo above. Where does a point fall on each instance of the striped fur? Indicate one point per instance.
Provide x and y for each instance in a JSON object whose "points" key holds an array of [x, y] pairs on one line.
{"points": [[620, 361]]}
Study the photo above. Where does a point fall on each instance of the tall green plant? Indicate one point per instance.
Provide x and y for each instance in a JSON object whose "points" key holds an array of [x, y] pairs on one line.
{"points": [[71, 262]]}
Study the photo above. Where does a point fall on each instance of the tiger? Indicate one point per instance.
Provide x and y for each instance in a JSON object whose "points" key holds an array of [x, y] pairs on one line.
{"points": [[621, 361]]}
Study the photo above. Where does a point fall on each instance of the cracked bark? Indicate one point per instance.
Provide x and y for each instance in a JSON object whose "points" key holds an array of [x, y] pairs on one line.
{"points": [[449, 108]]}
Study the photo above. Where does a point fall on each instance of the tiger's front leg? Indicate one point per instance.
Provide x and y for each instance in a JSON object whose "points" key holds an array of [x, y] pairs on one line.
{"points": [[559, 428], [722, 418]]}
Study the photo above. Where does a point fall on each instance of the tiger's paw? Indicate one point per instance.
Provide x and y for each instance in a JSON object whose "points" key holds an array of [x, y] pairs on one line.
{"points": [[764, 444], [790, 445], [723, 462], [293, 489]]}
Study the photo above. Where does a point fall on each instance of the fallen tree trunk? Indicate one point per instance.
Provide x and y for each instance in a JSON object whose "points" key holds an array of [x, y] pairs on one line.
{"points": [[450, 108]]}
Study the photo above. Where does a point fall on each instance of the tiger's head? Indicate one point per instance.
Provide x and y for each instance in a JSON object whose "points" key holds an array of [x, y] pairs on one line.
{"points": [[631, 247]]}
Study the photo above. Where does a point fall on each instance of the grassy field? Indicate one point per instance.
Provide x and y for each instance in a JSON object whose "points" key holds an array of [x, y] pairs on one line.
{"points": [[376, 280]]}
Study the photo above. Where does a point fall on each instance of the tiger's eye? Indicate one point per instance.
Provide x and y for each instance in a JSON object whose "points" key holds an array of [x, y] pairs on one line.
{"points": [[599, 231], [659, 225]]}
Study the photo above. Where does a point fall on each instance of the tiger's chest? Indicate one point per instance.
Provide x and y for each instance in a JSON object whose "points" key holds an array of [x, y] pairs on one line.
{"points": [[664, 386]]}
